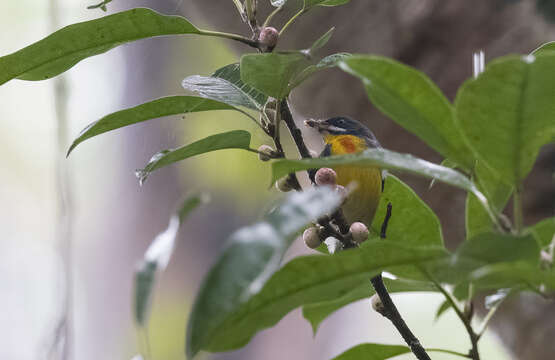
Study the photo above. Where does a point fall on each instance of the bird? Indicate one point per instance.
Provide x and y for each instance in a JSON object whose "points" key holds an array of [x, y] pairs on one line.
{"points": [[343, 135]]}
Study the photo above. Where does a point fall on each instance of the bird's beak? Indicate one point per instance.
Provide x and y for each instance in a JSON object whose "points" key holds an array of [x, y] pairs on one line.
{"points": [[320, 125]]}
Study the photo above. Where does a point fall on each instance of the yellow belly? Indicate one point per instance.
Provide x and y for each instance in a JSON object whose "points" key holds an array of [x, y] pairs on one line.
{"points": [[363, 201]]}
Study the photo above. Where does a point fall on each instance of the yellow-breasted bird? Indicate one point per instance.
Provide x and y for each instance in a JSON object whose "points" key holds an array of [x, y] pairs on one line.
{"points": [[343, 135]]}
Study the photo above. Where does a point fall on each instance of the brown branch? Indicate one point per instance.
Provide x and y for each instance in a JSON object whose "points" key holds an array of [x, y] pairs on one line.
{"points": [[390, 310]]}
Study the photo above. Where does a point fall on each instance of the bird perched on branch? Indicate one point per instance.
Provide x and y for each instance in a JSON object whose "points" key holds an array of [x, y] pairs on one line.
{"points": [[343, 135]]}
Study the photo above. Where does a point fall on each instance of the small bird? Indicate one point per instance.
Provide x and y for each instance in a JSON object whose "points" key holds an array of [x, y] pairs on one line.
{"points": [[343, 135]]}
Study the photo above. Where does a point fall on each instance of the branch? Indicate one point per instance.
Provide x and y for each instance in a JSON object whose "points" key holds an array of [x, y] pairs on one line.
{"points": [[390, 310], [474, 337]]}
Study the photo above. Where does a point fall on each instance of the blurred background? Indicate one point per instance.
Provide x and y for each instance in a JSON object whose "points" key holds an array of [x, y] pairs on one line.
{"points": [[110, 219]]}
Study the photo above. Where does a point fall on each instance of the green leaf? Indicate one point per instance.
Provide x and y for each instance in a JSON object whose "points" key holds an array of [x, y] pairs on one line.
{"points": [[485, 250], [304, 280], [373, 352], [271, 73], [507, 113], [413, 101], [445, 305], [165, 106], [326, 63], [64, 48], [516, 275], [497, 193], [412, 222], [316, 313], [225, 85], [250, 258], [544, 48], [388, 160], [321, 42], [311, 3], [544, 231], [236, 139], [158, 255]]}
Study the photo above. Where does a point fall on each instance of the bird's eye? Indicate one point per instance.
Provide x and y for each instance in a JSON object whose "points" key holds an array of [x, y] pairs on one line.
{"points": [[341, 122]]}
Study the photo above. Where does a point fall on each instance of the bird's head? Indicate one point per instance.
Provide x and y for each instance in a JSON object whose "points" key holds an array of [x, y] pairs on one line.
{"points": [[338, 126], [342, 125]]}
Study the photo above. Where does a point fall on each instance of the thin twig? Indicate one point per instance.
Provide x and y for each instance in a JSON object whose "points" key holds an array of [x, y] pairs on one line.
{"points": [[302, 11], [448, 352], [487, 319], [390, 310], [466, 320], [252, 43], [271, 16]]}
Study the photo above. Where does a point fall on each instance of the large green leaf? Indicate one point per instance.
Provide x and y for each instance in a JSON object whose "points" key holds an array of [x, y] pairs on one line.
{"points": [[158, 255], [316, 313], [236, 139], [543, 48], [225, 85], [171, 105], [412, 100], [325, 63], [250, 258], [272, 73], [388, 160], [412, 222], [485, 250], [544, 231], [64, 48], [304, 280], [496, 191], [507, 113], [373, 352]]}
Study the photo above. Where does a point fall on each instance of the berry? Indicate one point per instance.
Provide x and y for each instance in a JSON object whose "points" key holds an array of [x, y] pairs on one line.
{"points": [[359, 231], [311, 237], [265, 152], [269, 37], [283, 184], [325, 176], [377, 304]]}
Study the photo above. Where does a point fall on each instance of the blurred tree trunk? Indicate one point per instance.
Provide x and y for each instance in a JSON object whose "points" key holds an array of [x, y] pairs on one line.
{"points": [[437, 37]]}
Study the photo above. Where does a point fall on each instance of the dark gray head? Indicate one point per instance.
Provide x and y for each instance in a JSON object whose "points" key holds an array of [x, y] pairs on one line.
{"points": [[342, 125]]}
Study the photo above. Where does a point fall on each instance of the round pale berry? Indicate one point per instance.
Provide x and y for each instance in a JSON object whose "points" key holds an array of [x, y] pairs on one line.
{"points": [[377, 304], [269, 37], [265, 152], [325, 176], [311, 237], [359, 231], [284, 184]]}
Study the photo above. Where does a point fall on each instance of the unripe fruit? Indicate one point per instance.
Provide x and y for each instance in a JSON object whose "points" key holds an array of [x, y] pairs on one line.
{"points": [[283, 184], [325, 176], [333, 244], [377, 304], [311, 237], [265, 152], [269, 37], [359, 231]]}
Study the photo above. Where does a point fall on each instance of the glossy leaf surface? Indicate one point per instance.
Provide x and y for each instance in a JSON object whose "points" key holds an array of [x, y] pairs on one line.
{"points": [[158, 256], [166, 106], [64, 48], [236, 139], [507, 113], [226, 86], [413, 101], [373, 352], [247, 263]]}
